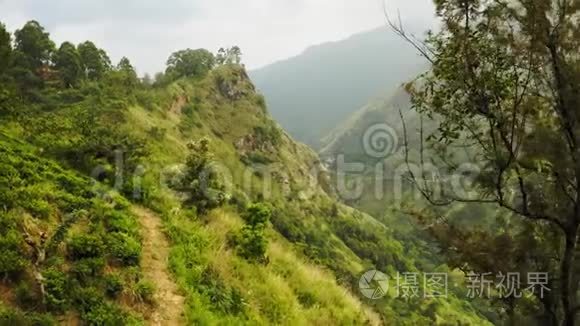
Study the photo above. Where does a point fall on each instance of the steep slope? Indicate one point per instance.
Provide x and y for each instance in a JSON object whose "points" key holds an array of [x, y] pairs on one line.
{"points": [[311, 93], [317, 248]]}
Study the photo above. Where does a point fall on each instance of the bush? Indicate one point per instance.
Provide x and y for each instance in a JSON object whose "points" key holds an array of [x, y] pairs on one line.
{"points": [[124, 248], [105, 314], [145, 291], [157, 133], [26, 296], [226, 299], [199, 181], [257, 215], [56, 288], [11, 259], [38, 208], [87, 268], [15, 317], [85, 246], [118, 221], [113, 285], [96, 311], [251, 241]]}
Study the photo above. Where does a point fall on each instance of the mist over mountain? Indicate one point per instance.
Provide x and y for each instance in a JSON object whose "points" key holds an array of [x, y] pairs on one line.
{"points": [[312, 93]]}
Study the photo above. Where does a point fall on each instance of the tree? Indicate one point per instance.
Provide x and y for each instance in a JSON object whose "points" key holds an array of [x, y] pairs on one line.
{"points": [[251, 241], [31, 57], [34, 46], [68, 63], [190, 63], [505, 82], [7, 97], [127, 75], [5, 49], [232, 55], [95, 61], [199, 181]]}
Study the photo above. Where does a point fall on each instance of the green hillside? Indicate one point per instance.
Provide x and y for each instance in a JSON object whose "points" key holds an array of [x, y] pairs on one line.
{"points": [[126, 202]]}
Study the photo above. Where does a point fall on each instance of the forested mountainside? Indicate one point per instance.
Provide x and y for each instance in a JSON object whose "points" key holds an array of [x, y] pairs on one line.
{"points": [[128, 201], [312, 93], [480, 154]]}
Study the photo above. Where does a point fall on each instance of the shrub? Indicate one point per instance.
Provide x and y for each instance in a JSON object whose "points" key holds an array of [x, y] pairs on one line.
{"points": [[145, 291], [124, 248], [104, 314], [257, 214], [56, 288], [95, 310], [87, 268], [85, 246], [12, 260], [25, 295], [157, 133], [251, 241], [226, 299], [38, 207], [199, 181], [256, 158], [261, 102], [268, 134], [15, 317], [118, 221], [113, 285]]}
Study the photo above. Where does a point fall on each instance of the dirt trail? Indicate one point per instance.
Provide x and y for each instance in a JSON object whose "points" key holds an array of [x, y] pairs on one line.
{"points": [[170, 304]]}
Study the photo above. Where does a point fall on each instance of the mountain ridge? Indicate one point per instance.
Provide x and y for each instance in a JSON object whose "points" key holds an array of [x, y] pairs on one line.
{"points": [[330, 81]]}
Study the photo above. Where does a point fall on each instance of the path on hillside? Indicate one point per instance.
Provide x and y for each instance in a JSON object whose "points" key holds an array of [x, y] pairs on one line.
{"points": [[170, 304]]}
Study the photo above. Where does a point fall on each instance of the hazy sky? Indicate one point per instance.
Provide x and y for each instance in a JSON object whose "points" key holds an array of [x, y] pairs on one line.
{"points": [[147, 31]]}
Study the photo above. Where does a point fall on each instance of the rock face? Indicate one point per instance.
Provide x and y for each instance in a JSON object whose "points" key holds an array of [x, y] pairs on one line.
{"points": [[235, 85], [250, 143]]}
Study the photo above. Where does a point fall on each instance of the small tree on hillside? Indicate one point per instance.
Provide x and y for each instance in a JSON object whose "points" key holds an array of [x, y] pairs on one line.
{"points": [[251, 241], [231, 55], [68, 64], [199, 181], [94, 60]]}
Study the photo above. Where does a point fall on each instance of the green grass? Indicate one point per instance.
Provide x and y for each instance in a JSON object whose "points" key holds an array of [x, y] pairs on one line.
{"points": [[315, 259]]}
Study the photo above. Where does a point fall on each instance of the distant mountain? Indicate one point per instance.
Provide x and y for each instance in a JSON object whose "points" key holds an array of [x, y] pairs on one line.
{"points": [[312, 93], [348, 138]]}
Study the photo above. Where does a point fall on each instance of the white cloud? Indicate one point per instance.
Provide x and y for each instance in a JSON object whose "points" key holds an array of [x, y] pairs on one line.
{"points": [[266, 30]]}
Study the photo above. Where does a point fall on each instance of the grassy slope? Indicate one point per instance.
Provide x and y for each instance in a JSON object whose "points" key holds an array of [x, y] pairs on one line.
{"points": [[299, 284], [317, 247]]}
